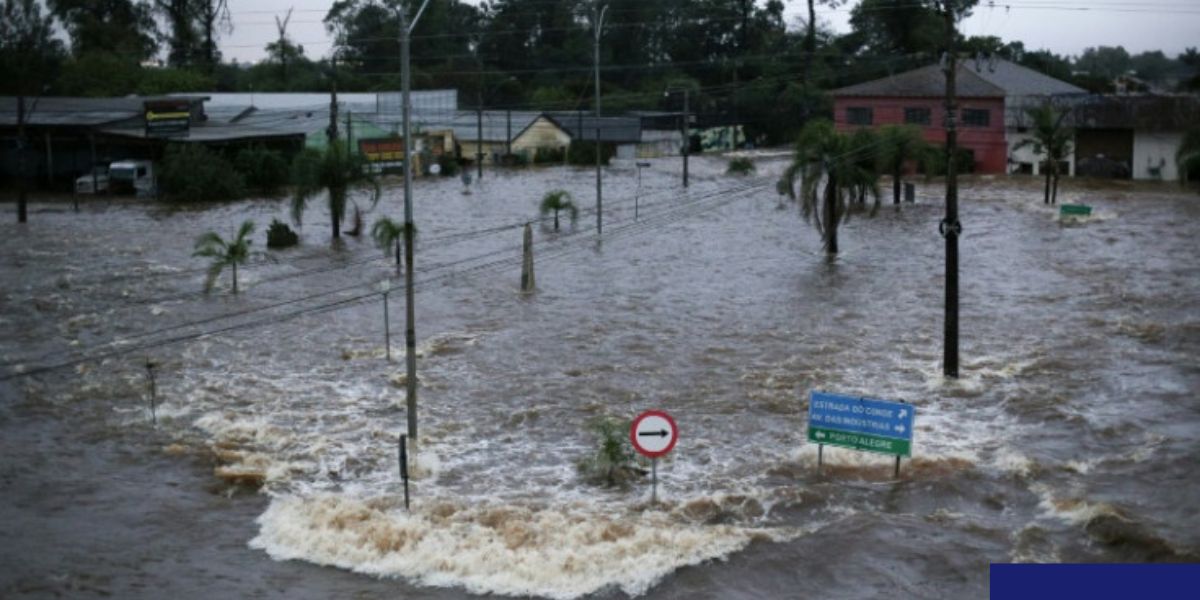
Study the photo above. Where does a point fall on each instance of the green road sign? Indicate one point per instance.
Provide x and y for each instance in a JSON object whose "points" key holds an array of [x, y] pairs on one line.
{"points": [[860, 441], [1074, 209]]}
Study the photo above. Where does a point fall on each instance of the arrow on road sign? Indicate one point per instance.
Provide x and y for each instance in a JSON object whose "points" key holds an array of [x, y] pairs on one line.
{"points": [[903, 413], [900, 429], [660, 433]]}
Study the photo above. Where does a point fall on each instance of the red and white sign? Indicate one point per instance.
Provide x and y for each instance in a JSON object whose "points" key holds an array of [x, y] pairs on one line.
{"points": [[653, 433]]}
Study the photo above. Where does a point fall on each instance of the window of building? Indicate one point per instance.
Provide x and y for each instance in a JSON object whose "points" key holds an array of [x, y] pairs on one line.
{"points": [[916, 116], [976, 117], [858, 115]]}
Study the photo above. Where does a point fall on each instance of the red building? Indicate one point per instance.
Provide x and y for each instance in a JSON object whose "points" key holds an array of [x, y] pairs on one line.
{"points": [[918, 98]]}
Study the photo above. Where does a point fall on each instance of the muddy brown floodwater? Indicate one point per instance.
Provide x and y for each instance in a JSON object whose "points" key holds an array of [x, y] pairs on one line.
{"points": [[271, 472]]}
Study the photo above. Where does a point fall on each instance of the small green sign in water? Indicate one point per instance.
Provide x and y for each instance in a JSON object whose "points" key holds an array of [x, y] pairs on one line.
{"points": [[860, 441], [1081, 210]]}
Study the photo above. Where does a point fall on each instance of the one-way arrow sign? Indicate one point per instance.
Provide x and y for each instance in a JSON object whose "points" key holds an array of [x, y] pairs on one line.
{"points": [[653, 433]]}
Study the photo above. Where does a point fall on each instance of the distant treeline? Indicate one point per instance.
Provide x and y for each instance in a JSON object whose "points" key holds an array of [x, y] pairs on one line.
{"points": [[738, 57]]}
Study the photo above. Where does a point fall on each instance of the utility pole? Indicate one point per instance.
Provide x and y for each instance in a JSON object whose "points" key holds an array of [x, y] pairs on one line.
{"points": [[599, 24], [479, 137], [333, 107], [21, 143], [687, 139], [950, 227], [683, 130], [410, 331]]}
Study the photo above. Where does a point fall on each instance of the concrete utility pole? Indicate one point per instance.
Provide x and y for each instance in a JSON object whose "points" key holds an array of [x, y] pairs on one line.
{"points": [[687, 138], [410, 330], [21, 144], [683, 130], [332, 132], [950, 228], [479, 138], [599, 24]]}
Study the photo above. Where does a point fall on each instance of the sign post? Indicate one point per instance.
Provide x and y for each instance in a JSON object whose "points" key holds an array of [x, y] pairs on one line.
{"points": [[653, 434], [404, 466], [865, 424], [640, 166], [385, 287], [153, 390]]}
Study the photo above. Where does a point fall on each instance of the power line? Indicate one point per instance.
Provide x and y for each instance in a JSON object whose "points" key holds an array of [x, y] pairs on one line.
{"points": [[640, 225]]}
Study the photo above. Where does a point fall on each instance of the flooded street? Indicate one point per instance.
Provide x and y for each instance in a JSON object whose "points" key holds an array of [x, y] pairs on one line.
{"points": [[1072, 435]]}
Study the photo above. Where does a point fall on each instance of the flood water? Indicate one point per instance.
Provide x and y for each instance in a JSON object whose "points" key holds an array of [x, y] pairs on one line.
{"points": [[1072, 435]]}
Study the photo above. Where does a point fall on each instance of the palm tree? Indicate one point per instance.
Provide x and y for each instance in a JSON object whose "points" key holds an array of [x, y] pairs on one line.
{"points": [[1187, 157], [231, 253], [843, 162], [1050, 139], [387, 233], [899, 144], [335, 171], [865, 156], [558, 200]]}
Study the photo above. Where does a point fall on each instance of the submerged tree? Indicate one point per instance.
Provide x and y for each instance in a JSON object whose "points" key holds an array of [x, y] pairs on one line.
{"points": [[613, 462], [224, 253], [899, 144], [388, 233], [336, 171], [1050, 139], [29, 54], [559, 200], [1187, 157], [843, 162]]}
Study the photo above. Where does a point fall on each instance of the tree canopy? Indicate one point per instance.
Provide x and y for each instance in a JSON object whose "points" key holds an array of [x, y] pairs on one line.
{"points": [[740, 58]]}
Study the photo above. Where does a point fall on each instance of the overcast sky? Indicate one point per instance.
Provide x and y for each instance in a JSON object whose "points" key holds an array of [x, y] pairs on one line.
{"points": [[1064, 26]]}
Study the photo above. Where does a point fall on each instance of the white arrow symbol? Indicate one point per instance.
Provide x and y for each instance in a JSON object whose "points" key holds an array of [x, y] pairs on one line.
{"points": [[900, 428], [820, 434], [903, 412]]}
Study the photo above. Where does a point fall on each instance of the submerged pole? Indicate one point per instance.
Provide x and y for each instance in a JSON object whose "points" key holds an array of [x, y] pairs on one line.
{"points": [[153, 390], [527, 282], [404, 466], [410, 331], [950, 227]]}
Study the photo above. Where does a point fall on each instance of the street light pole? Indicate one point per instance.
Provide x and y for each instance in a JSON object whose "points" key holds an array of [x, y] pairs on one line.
{"points": [[410, 331], [599, 22]]}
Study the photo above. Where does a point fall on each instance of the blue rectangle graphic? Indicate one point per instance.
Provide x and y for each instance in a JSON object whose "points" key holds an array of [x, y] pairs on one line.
{"points": [[1093, 581], [861, 415]]}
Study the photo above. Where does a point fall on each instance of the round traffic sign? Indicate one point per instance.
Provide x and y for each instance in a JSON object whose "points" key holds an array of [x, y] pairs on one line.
{"points": [[653, 433]]}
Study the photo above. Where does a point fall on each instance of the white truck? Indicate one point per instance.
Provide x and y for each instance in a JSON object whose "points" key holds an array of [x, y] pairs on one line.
{"points": [[95, 182], [135, 176]]}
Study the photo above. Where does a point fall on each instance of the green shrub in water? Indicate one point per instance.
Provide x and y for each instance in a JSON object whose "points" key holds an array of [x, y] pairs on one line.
{"points": [[193, 173], [279, 235], [552, 156], [265, 171], [740, 166], [448, 164], [584, 153], [613, 462]]}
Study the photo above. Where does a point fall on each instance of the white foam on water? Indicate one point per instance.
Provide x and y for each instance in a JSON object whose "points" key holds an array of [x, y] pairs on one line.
{"points": [[557, 552], [1071, 510], [1013, 462]]}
